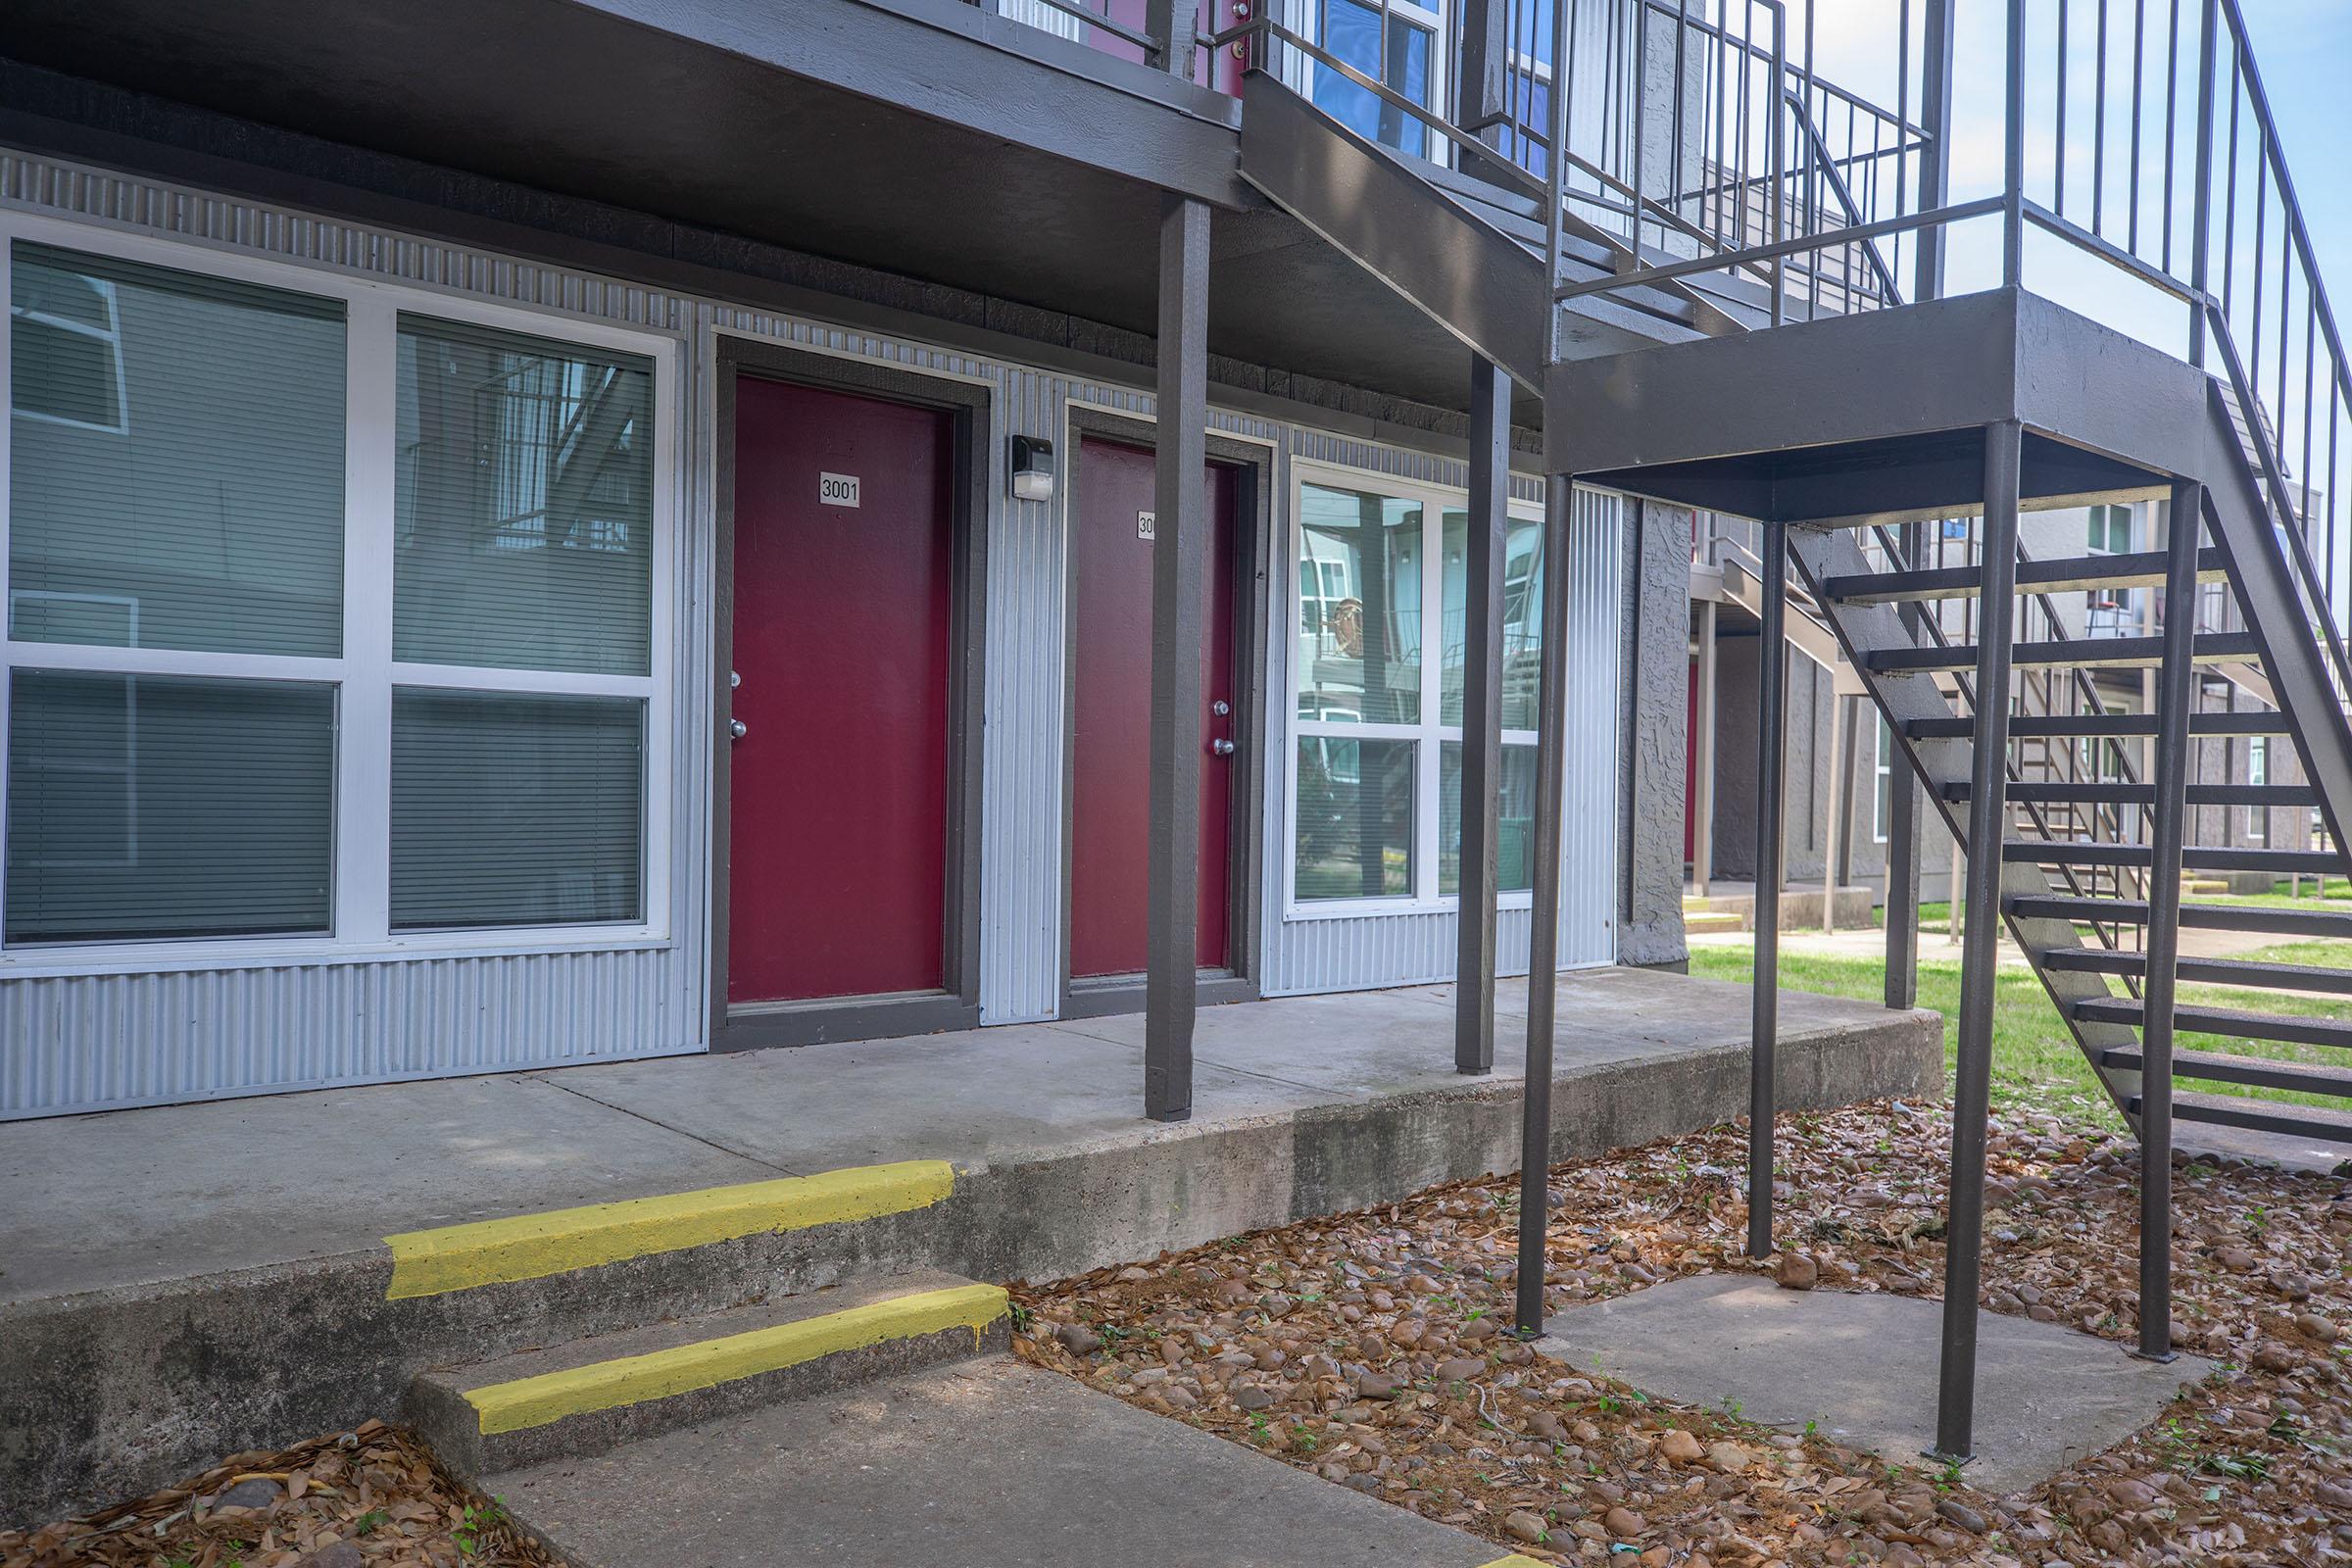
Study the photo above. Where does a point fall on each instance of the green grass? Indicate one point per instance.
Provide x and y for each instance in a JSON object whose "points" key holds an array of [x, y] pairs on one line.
{"points": [[2036, 1062]]}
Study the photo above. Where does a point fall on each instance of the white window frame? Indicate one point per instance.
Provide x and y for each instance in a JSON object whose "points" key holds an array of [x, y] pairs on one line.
{"points": [[110, 334], [1429, 734], [1882, 781], [364, 674], [2258, 773]]}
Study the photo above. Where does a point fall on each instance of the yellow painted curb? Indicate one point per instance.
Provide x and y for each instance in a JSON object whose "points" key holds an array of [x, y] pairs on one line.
{"points": [[529, 1247], [1514, 1560], [635, 1379]]}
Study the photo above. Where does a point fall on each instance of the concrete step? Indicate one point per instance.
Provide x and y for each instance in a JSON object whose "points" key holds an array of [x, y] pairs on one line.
{"points": [[583, 1398], [1700, 922]]}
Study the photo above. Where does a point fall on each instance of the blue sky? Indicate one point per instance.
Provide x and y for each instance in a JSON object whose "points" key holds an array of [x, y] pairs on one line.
{"points": [[2304, 48]]}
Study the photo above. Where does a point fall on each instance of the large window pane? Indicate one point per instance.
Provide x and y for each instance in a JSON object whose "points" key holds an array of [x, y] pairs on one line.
{"points": [[1351, 32], [1359, 607], [512, 810], [175, 470], [1514, 820], [153, 805], [1522, 625], [523, 502], [1355, 818]]}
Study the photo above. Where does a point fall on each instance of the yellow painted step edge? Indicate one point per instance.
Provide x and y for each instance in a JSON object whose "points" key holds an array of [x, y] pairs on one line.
{"points": [[529, 1247], [1514, 1560], [636, 1378]]}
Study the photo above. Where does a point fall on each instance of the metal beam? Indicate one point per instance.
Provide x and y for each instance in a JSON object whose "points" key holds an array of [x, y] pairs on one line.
{"points": [[2166, 833], [1703, 846], [1488, 524], [1772, 760], [1980, 959], [1903, 819], [1543, 941], [1936, 119], [1179, 602]]}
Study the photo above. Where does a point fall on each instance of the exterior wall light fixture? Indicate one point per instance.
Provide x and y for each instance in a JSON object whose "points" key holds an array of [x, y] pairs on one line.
{"points": [[1032, 468]]}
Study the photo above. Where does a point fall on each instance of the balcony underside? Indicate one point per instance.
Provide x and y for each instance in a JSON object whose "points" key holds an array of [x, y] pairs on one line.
{"points": [[919, 138], [1879, 417]]}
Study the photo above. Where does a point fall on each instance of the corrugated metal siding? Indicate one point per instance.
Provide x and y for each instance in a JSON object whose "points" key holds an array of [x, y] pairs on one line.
{"points": [[1356, 953], [81, 1042]]}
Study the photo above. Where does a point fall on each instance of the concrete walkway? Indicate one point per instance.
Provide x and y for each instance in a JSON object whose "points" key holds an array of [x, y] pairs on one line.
{"points": [[189, 1281], [140, 1197], [987, 1462]]}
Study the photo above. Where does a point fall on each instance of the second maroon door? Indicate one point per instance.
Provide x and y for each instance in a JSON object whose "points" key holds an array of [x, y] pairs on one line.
{"points": [[1111, 784]]}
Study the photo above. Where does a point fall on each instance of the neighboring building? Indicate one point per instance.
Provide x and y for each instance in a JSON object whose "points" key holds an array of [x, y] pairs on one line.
{"points": [[656, 558], [1818, 676]]}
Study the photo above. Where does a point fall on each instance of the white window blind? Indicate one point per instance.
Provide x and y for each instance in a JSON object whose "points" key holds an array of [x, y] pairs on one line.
{"points": [[514, 810], [175, 465], [161, 805], [524, 503]]}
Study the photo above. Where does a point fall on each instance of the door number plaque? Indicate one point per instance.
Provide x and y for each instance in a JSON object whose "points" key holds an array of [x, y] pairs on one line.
{"points": [[837, 489]]}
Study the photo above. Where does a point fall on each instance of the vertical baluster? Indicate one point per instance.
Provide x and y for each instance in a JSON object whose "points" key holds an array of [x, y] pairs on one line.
{"points": [[2172, 104], [2229, 203], [2012, 173], [1721, 176], [2058, 197], [2262, 214], [1811, 150], [1902, 128], [2311, 324], [2139, 82], [1641, 122], [1682, 62], [1742, 149], [1777, 154], [2099, 128]]}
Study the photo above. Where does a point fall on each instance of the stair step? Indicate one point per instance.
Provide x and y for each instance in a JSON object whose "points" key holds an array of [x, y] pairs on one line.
{"points": [[2061, 792], [2258, 918], [2261, 1115], [2086, 653], [2213, 1068], [2293, 1031], [570, 1400], [2144, 569], [2310, 977], [2202, 856], [2086, 726]]}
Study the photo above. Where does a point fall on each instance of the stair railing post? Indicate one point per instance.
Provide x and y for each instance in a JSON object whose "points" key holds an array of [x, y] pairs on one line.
{"points": [[1488, 524], [1903, 816], [2013, 177], [1179, 602], [2166, 831], [1764, 1002], [1174, 28], [1980, 959], [1935, 121], [2200, 235], [1478, 80], [1544, 938]]}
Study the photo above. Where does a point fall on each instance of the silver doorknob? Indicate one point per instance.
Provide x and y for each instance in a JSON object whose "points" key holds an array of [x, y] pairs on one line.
{"points": [[738, 728], [1221, 747]]}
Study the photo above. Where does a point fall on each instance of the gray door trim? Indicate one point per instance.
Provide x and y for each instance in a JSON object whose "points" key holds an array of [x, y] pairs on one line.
{"points": [[1108, 995], [956, 1006]]}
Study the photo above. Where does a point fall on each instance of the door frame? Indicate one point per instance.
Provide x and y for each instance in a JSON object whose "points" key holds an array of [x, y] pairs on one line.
{"points": [[751, 1026], [1252, 534]]}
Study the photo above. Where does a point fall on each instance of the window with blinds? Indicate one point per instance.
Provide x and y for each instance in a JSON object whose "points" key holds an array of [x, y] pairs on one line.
{"points": [[214, 638]]}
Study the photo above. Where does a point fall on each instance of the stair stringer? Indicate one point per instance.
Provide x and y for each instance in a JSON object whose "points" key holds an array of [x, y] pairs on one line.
{"points": [[2238, 518], [1820, 553]]}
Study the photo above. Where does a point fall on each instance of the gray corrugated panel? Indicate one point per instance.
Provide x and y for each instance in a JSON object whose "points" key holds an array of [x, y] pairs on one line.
{"points": [[1020, 855], [90, 1042], [1355, 953]]}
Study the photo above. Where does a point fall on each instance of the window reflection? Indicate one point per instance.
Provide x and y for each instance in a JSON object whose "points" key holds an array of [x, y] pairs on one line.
{"points": [[1522, 631], [1355, 818], [1351, 32], [1359, 607]]}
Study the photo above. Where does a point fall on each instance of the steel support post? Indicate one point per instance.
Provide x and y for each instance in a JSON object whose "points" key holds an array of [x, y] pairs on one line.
{"points": [[1903, 819], [2166, 831], [1703, 846], [1481, 86], [1772, 763], [1543, 939], [1174, 26], [1834, 828], [1482, 713], [1936, 165], [1179, 600], [1980, 958]]}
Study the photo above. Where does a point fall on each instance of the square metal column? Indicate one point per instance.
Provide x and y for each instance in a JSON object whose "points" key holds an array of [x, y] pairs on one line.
{"points": [[1543, 941], [1980, 959], [1764, 989], [1179, 601], [1482, 712]]}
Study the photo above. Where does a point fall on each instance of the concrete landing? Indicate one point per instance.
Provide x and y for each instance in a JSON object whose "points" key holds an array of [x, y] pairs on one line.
{"points": [[1863, 1366], [989, 1462]]}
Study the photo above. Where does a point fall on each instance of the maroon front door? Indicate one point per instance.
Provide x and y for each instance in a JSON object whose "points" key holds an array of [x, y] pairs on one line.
{"points": [[838, 783], [1111, 782]]}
